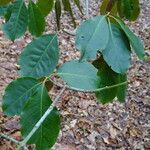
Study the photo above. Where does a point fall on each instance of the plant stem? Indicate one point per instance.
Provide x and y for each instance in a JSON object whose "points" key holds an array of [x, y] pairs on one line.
{"points": [[9, 138], [87, 8], [38, 124]]}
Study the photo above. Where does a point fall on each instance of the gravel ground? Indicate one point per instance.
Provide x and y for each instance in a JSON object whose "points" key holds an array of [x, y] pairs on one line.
{"points": [[86, 124]]}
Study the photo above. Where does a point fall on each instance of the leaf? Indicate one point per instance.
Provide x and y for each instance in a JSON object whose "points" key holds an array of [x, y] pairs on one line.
{"points": [[58, 13], [4, 2], [17, 94], [92, 36], [80, 75], [3, 10], [134, 40], [40, 57], [46, 135], [117, 53], [36, 20], [129, 9], [77, 2], [16, 26], [67, 7], [108, 77], [121, 92], [45, 6]]}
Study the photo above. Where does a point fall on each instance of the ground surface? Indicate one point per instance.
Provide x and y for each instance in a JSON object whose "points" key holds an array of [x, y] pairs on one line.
{"points": [[87, 125]]}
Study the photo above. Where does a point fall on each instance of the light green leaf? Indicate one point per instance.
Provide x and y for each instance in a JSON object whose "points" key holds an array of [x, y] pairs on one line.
{"points": [[80, 75], [40, 57], [121, 92], [92, 36], [117, 53], [16, 26], [4, 2], [36, 20], [45, 136], [45, 6], [58, 13], [134, 40], [17, 94]]}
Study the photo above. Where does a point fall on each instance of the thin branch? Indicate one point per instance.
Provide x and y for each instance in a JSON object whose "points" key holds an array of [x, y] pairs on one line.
{"points": [[73, 33], [38, 124]]}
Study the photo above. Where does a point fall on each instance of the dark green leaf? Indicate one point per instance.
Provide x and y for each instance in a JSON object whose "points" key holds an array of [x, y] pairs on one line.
{"points": [[129, 9], [117, 53], [36, 20], [77, 2], [58, 13], [121, 92], [92, 36], [67, 7], [108, 77], [45, 136], [17, 23], [4, 2], [80, 75], [40, 57], [17, 94], [45, 6], [134, 40]]}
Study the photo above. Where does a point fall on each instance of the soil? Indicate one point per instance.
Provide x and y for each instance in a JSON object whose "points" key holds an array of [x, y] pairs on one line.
{"points": [[86, 124]]}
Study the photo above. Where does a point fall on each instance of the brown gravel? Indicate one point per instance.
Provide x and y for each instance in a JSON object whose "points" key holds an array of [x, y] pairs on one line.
{"points": [[87, 125]]}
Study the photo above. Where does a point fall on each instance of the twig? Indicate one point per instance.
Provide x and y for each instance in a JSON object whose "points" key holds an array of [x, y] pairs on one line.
{"points": [[38, 124], [69, 32]]}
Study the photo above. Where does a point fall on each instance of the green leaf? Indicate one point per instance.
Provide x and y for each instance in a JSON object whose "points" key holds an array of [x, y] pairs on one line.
{"points": [[134, 40], [45, 136], [121, 92], [117, 53], [40, 57], [17, 94], [45, 6], [129, 9], [108, 77], [4, 2], [3, 10], [36, 20], [16, 26], [67, 7], [58, 13], [92, 36], [77, 2], [80, 75]]}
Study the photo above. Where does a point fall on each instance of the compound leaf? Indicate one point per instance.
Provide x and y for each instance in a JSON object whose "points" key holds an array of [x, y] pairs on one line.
{"points": [[80, 75], [36, 20], [17, 94], [92, 36], [134, 40], [117, 53], [45, 6], [16, 26], [40, 57], [45, 136]]}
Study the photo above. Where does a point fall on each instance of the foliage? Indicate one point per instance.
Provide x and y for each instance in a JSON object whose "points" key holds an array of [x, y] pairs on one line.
{"points": [[105, 43]]}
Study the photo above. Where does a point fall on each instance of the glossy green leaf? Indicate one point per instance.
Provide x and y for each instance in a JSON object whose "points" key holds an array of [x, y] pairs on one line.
{"points": [[40, 57], [58, 13], [16, 26], [4, 2], [36, 20], [77, 2], [92, 36], [121, 92], [17, 94], [129, 9], [45, 136], [80, 75], [45, 6], [67, 7], [117, 53], [134, 40], [108, 77]]}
